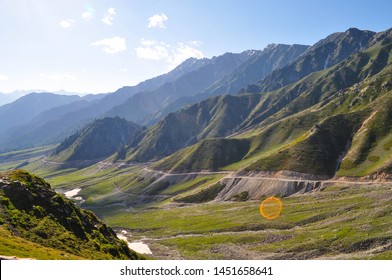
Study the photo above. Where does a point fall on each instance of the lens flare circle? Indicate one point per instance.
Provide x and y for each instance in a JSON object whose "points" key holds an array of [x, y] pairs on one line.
{"points": [[271, 208]]}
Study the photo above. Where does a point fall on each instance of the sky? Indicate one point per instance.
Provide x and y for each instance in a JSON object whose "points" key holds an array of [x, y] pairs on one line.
{"points": [[98, 46]]}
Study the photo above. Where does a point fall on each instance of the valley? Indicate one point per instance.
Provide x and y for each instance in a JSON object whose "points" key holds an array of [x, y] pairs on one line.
{"points": [[179, 164], [333, 220]]}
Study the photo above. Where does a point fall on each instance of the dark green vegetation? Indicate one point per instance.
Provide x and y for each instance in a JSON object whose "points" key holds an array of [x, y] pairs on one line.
{"points": [[32, 211], [209, 154], [205, 195]]}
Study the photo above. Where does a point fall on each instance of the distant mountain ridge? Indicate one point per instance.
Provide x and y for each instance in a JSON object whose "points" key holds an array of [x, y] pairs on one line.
{"points": [[29, 106], [142, 105], [324, 54], [259, 65], [10, 97], [98, 140], [227, 115], [148, 101]]}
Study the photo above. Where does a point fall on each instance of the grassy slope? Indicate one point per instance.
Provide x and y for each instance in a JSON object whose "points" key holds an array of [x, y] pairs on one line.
{"points": [[11, 245], [214, 117], [312, 131], [209, 154], [22, 158], [31, 210], [339, 222]]}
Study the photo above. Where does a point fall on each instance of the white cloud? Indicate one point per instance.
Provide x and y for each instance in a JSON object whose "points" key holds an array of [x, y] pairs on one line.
{"points": [[196, 43], [67, 23], [157, 21], [87, 16], [111, 45], [154, 50], [148, 43], [181, 53], [109, 17], [111, 11], [3, 78], [59, 77]]}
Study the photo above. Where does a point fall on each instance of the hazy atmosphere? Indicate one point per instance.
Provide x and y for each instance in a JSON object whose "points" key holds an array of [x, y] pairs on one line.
{"points": [[196, 130], [100, 46]]}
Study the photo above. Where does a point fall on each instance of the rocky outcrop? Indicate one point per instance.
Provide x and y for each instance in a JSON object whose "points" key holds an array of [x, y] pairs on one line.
{"points": [[32, 210], [250, 188], [240, 186]]}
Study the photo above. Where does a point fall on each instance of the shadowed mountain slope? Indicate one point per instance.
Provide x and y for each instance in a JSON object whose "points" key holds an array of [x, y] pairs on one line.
{"points": [[98, 140]]}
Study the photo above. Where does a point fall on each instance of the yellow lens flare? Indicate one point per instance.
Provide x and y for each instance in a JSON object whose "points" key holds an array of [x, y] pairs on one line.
{"points": [[271, 208]]}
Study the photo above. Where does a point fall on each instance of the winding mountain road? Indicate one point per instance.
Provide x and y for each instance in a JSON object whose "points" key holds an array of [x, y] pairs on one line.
{"points": [[229, 174]]}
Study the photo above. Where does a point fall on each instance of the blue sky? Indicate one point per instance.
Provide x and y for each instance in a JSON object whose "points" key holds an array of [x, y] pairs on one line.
{"points": [[99, 46]]}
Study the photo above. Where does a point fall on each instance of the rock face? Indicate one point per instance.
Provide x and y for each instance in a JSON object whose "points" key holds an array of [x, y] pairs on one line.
{"points": [[233, 187], [256, 188], [32, 210]]}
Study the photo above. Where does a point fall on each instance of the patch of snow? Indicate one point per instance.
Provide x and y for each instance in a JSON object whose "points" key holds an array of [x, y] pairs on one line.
{"points": [[72, 193], [138, 247], [122, 237], [79, 198]]}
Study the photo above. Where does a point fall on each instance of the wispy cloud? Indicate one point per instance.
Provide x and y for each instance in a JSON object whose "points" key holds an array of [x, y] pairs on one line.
{"points": [[182, 52], [3, 78], [109, 16], [157, 21], [67, 23], [87, 16], [111, 45], [59, 77], [154, 50]]}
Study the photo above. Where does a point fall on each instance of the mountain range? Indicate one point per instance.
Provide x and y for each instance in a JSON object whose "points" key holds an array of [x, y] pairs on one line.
{"points": [[228, 114], [334, 120], [162, 158], [261, 107], [6, 98], [148, 101]]}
